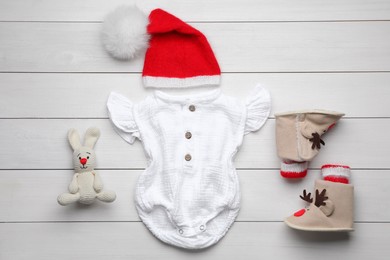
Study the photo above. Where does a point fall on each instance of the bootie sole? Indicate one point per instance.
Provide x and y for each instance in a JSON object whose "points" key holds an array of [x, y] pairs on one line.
{"points": [[319, 229]]}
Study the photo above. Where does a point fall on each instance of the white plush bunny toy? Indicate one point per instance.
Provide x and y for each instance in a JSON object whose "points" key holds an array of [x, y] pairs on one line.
{"points": [[86, 185]]}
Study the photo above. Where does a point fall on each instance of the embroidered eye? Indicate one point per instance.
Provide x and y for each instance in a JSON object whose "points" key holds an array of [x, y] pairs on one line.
{"points": [[79, 158], [87, 157]]}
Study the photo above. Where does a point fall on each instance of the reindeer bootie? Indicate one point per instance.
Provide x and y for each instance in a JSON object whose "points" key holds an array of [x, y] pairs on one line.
{"points": [[331, 209], [298, 138]]}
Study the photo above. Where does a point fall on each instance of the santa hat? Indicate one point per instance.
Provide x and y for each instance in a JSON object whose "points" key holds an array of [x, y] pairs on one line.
{"points": [[336, 173], [177, 54]]}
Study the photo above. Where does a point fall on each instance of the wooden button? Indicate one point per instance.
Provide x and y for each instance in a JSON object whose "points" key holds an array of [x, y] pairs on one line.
{"points": [[188, 157], [188, 135], [191, 108]]}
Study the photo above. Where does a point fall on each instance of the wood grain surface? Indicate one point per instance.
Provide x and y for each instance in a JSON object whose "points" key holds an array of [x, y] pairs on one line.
{"points": [[55, 75]]}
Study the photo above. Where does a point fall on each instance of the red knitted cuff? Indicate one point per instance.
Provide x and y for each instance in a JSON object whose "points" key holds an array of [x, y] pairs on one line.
{"points": [[293, 170], [336, 173]]}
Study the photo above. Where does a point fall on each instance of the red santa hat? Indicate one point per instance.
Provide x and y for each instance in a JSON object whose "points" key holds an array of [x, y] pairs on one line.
{"points": [[177, 55]]}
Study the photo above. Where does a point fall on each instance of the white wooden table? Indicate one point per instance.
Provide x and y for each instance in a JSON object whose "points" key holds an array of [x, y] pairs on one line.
{"points": [[54, 75]]}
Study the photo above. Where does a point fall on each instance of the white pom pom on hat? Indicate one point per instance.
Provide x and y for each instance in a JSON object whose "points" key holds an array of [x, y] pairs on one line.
{"points": [[124, 32]]}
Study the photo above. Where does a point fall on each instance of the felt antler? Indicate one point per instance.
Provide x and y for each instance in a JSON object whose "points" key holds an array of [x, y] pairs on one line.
{"points": [[320, 198], [316, 140], [306, 197]]}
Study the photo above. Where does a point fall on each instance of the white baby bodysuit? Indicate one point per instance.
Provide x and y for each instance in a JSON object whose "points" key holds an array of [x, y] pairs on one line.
{"points": [[189, 196]]}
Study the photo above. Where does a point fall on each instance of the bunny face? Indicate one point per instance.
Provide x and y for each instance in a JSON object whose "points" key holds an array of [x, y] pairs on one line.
{"points": [[84, 159]]}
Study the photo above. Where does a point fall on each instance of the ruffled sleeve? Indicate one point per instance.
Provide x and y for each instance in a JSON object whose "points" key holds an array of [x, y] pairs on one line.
{"points": [[120, 110], [258, 106]]}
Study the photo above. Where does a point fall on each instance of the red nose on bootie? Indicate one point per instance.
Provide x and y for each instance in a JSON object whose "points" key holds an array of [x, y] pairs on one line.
{"points": [[83, 161], [299, 213]]}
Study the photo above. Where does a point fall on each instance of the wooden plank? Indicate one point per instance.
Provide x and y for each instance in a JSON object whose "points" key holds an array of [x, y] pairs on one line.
{"points": [[217, 10], [42, 144], [31, 196], [239, 47], [94, 241], [30, 95]]}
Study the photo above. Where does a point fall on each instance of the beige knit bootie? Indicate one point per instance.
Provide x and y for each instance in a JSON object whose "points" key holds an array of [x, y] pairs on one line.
{"points": [[298, 138], [331, 209]]}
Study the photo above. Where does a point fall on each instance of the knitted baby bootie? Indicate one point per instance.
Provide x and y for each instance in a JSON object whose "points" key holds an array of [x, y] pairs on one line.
{"points": [[298, 138], [331, 207]]}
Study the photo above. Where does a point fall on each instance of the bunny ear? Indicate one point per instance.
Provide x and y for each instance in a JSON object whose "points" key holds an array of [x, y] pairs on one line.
{"points": [[74, 139], [91, 137]]}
